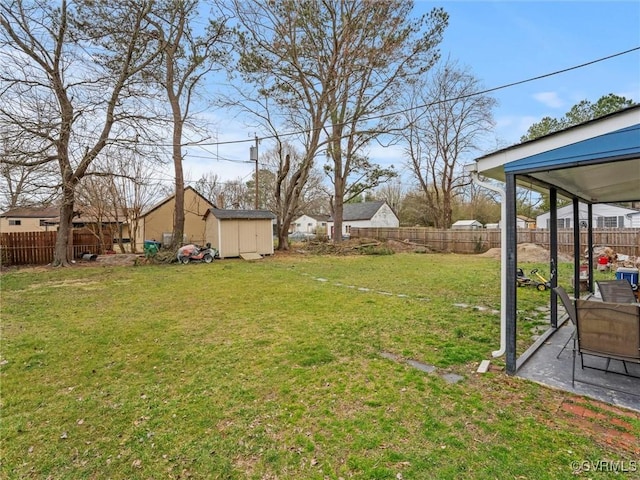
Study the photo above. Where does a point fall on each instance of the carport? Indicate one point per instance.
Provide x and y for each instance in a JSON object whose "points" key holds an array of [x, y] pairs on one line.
{"points": [[594, 162]]}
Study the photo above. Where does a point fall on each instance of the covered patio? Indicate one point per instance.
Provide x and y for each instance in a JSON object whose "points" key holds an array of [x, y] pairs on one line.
{"points": [[594, 162]]}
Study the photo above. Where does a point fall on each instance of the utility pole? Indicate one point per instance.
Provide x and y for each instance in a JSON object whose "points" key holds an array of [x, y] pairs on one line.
{"points": [[253, 155]]}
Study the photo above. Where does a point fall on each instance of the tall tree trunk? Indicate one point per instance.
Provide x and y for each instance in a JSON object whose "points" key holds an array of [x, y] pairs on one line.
{"points": [[62, 253], [178, 212]]}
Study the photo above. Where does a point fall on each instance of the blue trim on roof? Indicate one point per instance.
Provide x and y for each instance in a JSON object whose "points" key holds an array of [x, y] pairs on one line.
{"points": [[618, 144]]}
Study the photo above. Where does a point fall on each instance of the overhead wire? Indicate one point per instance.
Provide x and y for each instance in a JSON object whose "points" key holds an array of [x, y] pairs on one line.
{"points": [[426, 105]]}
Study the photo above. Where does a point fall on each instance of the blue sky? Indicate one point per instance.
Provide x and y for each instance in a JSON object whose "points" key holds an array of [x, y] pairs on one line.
{"points": [[503, 42], [508, 41]]}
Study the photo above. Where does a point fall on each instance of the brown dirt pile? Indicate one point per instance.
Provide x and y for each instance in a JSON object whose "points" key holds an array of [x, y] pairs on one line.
{"points": [[529, 253]]}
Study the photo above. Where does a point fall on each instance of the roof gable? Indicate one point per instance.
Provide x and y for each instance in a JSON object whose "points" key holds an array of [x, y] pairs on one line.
{"points": [[360, 211], [171, 197]]}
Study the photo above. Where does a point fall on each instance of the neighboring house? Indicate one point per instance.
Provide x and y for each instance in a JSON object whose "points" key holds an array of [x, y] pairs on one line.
{"points": [[363, 215], [157, 223], [603, 216], [114, 223], [30, 219], [523, 221], [236, 232], [466, 225], [311, 223]]}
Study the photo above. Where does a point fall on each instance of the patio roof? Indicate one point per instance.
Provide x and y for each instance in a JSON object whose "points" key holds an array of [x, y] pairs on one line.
{"points": [[596, 162]]}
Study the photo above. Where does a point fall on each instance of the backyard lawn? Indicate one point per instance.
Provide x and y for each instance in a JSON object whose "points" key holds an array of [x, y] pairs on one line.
{"points": [[293, 367]]}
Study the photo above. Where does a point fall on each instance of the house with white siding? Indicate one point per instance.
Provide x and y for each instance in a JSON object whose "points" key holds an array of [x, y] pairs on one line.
{"points": [[603, 216], [366, 214], [315, 224]]}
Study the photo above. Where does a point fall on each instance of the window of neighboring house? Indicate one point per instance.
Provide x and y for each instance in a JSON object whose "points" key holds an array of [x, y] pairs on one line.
{"points": [[609, 222], [44, 223], [562, 223], [347, 228], [15, 222]]}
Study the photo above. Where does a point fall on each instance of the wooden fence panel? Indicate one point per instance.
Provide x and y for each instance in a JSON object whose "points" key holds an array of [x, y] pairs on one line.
{"points": [[27, 248], [624, 241], [37, 248]]}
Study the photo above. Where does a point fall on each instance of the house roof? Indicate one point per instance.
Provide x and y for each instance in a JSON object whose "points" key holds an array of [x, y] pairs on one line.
{"points": [[360, 211], [171, 197], [320, 217], [598, 209], [32, 212], [596, 161], [462, 223], [223, 214]]}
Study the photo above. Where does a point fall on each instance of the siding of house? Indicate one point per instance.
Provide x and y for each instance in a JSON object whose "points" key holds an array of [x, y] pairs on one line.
{"points": [[7, 225], [384, 217], [309, 224], [157, 224], [602, 214], [28, 219]]}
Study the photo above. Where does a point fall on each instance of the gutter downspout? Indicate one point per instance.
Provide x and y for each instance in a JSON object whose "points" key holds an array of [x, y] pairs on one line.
{"points": [[503, 260]]}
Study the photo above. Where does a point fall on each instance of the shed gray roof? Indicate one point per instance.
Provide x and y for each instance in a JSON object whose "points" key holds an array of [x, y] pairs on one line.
{"points": [[221, 214], [360, 211]]}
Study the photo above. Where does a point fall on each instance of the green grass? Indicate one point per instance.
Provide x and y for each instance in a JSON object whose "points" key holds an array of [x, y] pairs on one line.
{"points": [[272, 369]]}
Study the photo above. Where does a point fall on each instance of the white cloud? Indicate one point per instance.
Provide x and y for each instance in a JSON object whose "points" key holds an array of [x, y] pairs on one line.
{"points": [[550, 99], [509, 128]]}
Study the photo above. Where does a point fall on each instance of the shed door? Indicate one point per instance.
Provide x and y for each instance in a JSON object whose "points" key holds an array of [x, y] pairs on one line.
{"points": [[248, 236]]}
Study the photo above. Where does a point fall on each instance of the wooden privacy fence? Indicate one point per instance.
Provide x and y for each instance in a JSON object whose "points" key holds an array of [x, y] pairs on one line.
{"points": [[36, 248], [625, 241]]}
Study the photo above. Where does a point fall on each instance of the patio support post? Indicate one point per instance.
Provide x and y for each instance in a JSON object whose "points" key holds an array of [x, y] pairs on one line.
{"points": [[576, 248], [553, 246], [590, 244], [511, 259]]}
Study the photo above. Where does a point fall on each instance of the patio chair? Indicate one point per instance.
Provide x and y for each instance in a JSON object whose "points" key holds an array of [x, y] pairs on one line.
{"points": [[616, 291], [607, 330], [570, 308]]}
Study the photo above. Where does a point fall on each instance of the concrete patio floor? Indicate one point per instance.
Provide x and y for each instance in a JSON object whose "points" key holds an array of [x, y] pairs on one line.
{"points": [[543, 367]]}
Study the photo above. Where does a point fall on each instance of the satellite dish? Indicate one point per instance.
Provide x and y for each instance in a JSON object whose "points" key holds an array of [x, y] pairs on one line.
{"points": [[583, 224]]}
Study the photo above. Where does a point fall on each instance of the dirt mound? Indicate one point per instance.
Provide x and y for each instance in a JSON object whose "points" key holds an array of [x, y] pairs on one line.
{"points": [[528, 253]]}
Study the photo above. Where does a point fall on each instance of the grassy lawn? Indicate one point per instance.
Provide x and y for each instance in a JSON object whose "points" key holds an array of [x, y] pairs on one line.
{"points": [[273, 369]]}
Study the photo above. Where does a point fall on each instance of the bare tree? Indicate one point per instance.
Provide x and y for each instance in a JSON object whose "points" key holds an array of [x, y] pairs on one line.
{"points": [[236, 195], [279, 166], [210, 186], [330, 63], [392, 192], [118, 191], [376, 49], [187, 58], [279, 57], [446, 116], [22, 185], [477, 203], [67, 73]]}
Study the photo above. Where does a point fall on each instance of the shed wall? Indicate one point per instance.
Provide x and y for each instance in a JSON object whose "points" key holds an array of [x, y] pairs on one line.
{"points": [[233, 237]]}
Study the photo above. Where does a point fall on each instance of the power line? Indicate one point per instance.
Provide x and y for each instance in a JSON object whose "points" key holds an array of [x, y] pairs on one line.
{"points": [[483, 92]]}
